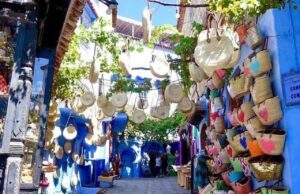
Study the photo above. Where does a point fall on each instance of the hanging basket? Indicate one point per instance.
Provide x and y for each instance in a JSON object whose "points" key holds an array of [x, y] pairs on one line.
{"points": [[119, 100], [213, 51], [253, 38], [261, 89], [185, 105], [94, 71], [109, 109], [88, 99], [269, 112], [160, 67], [77, 106], [138, 116], [245, 112], [124, 62], [174, 93], [163, 111], [230, 151], [272, 141], [254, 148], [101, 101], [239, 86], [243, 186], [196, 73], [253, 126], [239, 142], [267, 168], [230, 133], [258, 64]]}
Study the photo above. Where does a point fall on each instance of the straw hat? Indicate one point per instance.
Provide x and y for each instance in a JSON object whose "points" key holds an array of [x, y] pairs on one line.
{"points": [[119, 100], [109, 109], [146, 23], [101, 101], [138, 116], [56, 132], [197, 74], [142, 104], [68, 147], [185, 105], [160, 67], [70, 132], [59, 152], [174, 93], [88, 99], [153, 112], [124, 62]]}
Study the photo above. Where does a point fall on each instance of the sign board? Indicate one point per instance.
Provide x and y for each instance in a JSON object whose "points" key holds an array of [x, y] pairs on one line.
{"points": [[291, 87]]}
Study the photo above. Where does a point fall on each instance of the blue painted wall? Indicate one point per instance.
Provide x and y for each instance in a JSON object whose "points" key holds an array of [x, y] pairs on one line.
{"points": [[282, 27]]}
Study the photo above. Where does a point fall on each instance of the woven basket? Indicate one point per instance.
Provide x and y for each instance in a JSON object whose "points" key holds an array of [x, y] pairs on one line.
{"points": [[258, 64], [197, 74], [243, 186], [269, 112], [239, 86], [230, 133], [254, 148], [239, 142], [261, 89], [185, 105], [245, 112], [253, 38], [243, 160], [174, 93], [254, 125], [267, 168], [219, 124], [272, 141], [119, 99], [217, 81], [235, 163], [230, 152]]}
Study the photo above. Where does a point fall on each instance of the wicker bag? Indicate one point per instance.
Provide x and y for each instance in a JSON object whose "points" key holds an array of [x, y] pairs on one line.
{"points": [[235, 163], [258, 64], [267, 168], [254, 125], [197, 74], [174, 93], [230, 133], [239, 142], [230, 152], [269, 112], [243, 160], [261, 89], [254, 148], [245, 112], [239, 86], [219, 124], [253, 38], [243, 186], [272, 141]]}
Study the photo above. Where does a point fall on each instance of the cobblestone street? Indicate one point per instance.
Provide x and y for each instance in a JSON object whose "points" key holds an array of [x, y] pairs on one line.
{"points": [[167, 185]]}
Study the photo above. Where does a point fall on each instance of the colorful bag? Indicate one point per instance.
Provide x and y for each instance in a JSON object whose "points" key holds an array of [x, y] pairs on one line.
{"points": [[273, 190], [258, 64], [253, 38], [272, 141], [243, 186], [232, 118], [230, 133], [243, 160], [269, 112], [267, 168], [222, 140], [254, 148], [239, 86], [235, 163], [245, 112], [261, 89], [254, 125], [230, 152], [239, 142]]}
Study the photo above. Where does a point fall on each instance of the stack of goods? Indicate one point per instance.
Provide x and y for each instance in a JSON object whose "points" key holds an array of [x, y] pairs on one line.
{"points": [[243, 139]]}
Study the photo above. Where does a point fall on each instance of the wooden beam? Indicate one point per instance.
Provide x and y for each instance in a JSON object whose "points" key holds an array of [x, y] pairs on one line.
{"points": [[179, 5]]}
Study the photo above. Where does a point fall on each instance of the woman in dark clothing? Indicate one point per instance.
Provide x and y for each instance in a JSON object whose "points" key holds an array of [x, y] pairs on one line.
{"points": [[164, 164], [152, 165]]}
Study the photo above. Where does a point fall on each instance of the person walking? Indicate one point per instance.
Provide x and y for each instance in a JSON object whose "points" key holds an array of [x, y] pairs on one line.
{"points": [[158, 165], [164, 164]]}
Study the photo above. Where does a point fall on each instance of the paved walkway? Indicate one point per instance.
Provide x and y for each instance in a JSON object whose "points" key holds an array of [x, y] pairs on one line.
{"points": [[165, 185]]}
